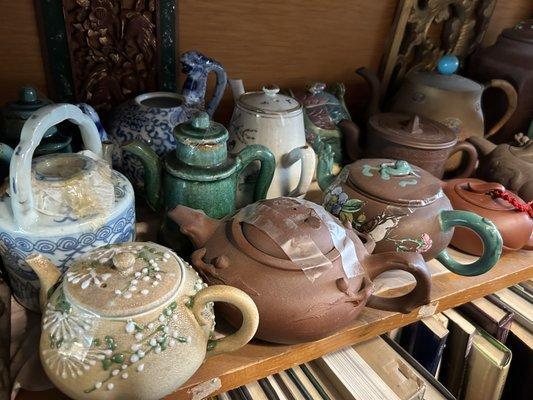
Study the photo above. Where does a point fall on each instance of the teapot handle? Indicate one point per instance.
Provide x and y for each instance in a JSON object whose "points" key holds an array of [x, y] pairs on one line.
{"points": [[307, 158], [412, 263], [32, 133], [512, 102], [257, 152], [237, 298], [485, 229], [471, 155]]}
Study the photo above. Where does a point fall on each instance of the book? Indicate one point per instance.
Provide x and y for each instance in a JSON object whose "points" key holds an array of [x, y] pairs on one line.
{"points": [[493, 319], [320, 381], [392, 368], [307, 384], [353, 377], [527, 286], [425, 341], [275, 385], [487, 368], [434, 389], [288, 386], [253, 390], [299, 384], [268, 389], [456, 351], [519, 385], [524, 292], [522, 308]]}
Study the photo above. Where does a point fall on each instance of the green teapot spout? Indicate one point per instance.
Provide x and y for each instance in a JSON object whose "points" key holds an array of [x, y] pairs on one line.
{"points": [[152, 171], [324, 168]]}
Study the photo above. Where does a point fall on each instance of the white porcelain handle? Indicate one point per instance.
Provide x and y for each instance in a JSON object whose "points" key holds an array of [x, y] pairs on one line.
{"points": [[307, 156], [32, 133]]}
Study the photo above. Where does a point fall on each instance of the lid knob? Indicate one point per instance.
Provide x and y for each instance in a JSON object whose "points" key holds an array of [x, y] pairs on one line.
{"points": [[448, 64], [413, 125], [317, 87], [27, 94], [271, 90], [123, 262], [201, 120]]}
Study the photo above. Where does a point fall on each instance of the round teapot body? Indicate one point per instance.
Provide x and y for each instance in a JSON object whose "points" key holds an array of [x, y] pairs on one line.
{"points": [[281, 133], [62, 239], [394, 227], [141, 356], [151, 118], [459, 110]]}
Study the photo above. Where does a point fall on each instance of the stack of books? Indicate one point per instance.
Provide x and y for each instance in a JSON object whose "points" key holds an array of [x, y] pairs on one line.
{"points": [[479, 351]]}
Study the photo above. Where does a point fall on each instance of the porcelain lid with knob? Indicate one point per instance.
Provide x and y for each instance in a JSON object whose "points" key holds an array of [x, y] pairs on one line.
{"points": [[269, 101], [413, 130], [393, 181], [123, 280]]}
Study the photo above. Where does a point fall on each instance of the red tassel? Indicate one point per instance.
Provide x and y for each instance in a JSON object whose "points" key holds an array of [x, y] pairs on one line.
{"points": [[513, 200]]}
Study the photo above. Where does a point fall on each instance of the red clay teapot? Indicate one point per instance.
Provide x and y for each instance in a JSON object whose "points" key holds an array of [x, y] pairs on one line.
{"points": [[308, 275]]}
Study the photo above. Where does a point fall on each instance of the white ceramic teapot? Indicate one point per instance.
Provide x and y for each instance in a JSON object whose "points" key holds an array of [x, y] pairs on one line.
{"points": [[61, 205], [131, 321], [275, 121]]}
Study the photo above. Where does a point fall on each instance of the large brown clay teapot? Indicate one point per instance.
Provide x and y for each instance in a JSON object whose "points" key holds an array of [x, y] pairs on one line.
{"points": [[403, 208], [512, 217], [308, 275], [510, 165]]}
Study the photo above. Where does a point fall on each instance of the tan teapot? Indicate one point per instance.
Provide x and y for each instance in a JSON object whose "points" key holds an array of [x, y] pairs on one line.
{"points": [[131, 321], [308, 274]]}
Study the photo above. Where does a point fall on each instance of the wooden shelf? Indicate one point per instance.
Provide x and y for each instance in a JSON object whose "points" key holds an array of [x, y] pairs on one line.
{"points": [[259, 359]]}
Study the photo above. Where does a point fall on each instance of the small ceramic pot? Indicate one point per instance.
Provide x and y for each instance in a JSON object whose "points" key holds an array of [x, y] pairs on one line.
{"points": [[417, 140], [402, 208], [151, 117], [61, 205], [131, 321], [275, 121], [308, 275], [491, 201]]}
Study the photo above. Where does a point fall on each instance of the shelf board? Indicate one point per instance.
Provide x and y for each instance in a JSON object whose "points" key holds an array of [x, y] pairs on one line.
{"points": [[259, 359]]}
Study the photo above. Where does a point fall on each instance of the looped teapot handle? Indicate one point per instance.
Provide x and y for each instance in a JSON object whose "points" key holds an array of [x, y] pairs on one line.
{"points": [[237, 298], [257, 152], [412, 263], [512, 102], [306, 156], [32, 133]]}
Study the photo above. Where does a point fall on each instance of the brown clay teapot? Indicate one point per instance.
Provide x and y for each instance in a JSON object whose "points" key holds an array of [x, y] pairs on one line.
{"points": [[512, 217], [510, 165], [418, 140], [308, 275], [403, 208]]}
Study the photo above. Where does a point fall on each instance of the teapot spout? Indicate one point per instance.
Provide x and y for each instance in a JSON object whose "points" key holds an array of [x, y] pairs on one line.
{"points": [[375, 90], [194, 224], [237, 88], [352, 138], [47, 273], [324, 168], [483, 146]]}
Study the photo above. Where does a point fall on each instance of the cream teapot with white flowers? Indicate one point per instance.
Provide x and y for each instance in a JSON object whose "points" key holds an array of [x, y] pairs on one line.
{"points": [[131, 321]]}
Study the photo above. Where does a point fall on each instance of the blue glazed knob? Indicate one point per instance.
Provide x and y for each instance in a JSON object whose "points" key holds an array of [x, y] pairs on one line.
{"points": [[448, 64]]}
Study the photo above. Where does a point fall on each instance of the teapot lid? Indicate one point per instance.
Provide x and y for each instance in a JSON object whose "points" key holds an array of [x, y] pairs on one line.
{"points": [[523, 31], [394, 181], [200, 129], [124, 279], [269, 101], [413, 130]]}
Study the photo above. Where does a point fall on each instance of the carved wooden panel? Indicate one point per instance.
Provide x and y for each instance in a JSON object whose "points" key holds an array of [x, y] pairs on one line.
{"points": [[424, 30], [103, 52]]}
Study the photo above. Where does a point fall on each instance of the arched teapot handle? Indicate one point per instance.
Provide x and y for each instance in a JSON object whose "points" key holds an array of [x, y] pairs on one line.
{"points": [[512, 102], [237, 298], [412, 263], [306, 156], [32, 133]]}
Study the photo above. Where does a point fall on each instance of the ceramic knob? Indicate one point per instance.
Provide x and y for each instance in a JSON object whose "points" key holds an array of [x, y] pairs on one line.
{"points": [[271, 90], [448, 64], [123, 262], [201, 120], [317, 87], [27, 94]]}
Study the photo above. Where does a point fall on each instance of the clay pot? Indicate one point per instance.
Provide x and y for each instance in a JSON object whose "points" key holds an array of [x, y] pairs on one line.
{"points": [[402, 208], [485, 199], [308, 275]]}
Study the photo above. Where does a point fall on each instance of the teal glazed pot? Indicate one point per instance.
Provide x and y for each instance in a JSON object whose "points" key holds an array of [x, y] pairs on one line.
{"points": [[402, 208], [199, 173]]}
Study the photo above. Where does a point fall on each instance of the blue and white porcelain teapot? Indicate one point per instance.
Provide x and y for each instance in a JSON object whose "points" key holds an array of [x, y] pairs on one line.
{"points": [[60, 205]]}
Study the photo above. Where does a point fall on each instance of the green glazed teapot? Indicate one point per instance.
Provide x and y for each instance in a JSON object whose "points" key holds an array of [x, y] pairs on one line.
{"points": [[199, 173]]}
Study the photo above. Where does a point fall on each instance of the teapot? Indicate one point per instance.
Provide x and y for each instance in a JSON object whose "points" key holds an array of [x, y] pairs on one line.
{"points": [[275, 121], [61, 205], [199, 171], [151, 117], [5, 157], [130, 321], [415, 139], [403, 208], [308, 275], [324, 108], [508, 164], [512, 217]]}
